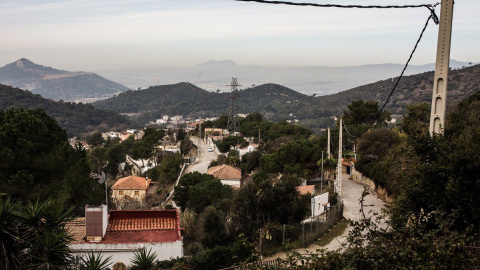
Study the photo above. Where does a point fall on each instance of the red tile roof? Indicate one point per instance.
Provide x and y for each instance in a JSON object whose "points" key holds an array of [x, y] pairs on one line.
{"points": [[225, 172], [132, 182], [133, 226], [306, 189]]}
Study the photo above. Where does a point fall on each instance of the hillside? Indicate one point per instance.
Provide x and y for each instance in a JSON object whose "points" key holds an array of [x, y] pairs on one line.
{"points": [[74, 118], [411, 90], [57, 84], [277, 102], [190, 100]]}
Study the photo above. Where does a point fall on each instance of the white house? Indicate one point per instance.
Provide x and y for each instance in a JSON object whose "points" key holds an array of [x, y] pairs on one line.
{"points": [[319, 204], [122, 233]]}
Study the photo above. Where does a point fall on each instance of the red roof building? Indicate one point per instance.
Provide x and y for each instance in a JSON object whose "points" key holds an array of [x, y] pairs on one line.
{"points": [[130, 188], [227, 174], [124, 232]]}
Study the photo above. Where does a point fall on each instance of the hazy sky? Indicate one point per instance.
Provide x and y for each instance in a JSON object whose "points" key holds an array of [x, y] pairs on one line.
{"points": [[109, 34]]}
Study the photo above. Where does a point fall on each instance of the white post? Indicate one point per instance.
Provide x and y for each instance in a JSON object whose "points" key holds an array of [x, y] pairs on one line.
{"points": [[328, 144], [339, 174], [439, 96]]}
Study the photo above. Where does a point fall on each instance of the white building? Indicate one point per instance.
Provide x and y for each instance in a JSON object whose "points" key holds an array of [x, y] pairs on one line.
{"points": [[319, 204], [122, 233]]}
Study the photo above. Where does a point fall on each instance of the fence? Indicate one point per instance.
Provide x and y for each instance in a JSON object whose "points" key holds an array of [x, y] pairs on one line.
{"points": [[313, 229], [256, 265]]}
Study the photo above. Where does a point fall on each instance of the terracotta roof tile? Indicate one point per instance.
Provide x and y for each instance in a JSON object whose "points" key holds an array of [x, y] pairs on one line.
{"points": [[129, 221], [76, 229], [225, 172], [131, 182], [306, 189]]}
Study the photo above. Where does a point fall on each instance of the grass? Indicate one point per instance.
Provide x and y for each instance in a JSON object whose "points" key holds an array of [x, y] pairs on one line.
{"points": [[335, 231]]}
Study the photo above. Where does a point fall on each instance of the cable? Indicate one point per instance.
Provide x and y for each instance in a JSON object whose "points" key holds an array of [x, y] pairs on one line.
{"points": [[338, 6], [347, 130], [432, 16]]}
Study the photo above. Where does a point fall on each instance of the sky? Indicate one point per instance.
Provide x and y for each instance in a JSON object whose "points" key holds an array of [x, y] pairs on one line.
{"points": [[92, 35]]}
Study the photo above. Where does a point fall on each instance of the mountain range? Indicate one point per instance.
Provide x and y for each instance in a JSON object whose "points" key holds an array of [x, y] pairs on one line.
{"points": [[58, 84], [215, 75], [277, 102]]}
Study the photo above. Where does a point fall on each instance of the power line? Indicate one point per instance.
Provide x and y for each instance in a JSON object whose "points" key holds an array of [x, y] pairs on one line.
{"points": [[339, 6], [432, 16]]}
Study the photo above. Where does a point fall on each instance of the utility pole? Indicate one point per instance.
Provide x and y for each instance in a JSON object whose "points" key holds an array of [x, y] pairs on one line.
{"points": [[339, 167], [321, 183], [328, 144], [439, 96], [199, 137]]}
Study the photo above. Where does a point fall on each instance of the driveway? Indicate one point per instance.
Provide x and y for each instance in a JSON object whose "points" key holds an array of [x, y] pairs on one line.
{"points": [[204, 158]]}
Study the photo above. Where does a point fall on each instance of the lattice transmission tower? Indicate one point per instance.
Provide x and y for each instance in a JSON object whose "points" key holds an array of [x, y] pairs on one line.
{"points": [[232, 124]]}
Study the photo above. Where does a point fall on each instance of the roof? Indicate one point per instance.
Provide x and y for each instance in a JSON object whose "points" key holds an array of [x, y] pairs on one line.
{"points": [[133, 226], [225, 172], [132, 182], [306, 189], [76, 229], [130, 221]]}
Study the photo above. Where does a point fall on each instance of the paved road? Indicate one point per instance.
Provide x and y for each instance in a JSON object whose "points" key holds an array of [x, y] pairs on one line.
{"points": [[352, 193], [204, 158]]}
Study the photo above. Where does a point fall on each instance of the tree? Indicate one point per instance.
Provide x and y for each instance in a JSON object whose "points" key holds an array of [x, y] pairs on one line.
{"points": [[35, 156], [212, 228], [34, 234], [96, 139], [187, 181], [417, 119], [227, 142], [364, 113], [143, 260], [93, 261], [186, 145], [205, 193]]}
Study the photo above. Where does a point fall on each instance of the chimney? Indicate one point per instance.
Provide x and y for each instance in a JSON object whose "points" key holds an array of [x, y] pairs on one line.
{"points": [[146, 182], [96, 222]]}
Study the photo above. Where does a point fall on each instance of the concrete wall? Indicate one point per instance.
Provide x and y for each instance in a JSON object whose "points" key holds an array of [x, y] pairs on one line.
{"points": [[358, 177], [124, 252]]}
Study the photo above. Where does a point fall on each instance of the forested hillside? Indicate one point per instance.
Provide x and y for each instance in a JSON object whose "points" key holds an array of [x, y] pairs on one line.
{"points": [[74, 118], [278, 103]]}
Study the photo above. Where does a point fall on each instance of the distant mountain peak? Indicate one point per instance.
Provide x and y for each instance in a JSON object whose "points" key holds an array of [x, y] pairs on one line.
{"points": [[24, 63], [215, 63]]}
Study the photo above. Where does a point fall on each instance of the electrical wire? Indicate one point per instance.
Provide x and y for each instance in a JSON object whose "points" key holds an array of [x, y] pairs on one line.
{"points": [[432, 16], [339, 6]]}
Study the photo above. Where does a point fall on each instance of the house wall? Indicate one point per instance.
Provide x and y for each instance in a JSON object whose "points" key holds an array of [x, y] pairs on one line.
{"points": [[318, 204], [124, 252], [130, 192], [231, 182]]}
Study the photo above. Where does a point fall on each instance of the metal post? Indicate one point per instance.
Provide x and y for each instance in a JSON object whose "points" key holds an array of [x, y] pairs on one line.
{"points": [[339, 173], [439, 96]]}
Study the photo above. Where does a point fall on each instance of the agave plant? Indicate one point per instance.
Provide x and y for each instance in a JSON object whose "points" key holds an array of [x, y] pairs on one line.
{"points": [[143, 260], [94, 261]]}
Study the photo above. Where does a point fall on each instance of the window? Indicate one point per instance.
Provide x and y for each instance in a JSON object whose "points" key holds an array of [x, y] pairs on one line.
{"points": [[120, 192], [137, 193]]}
